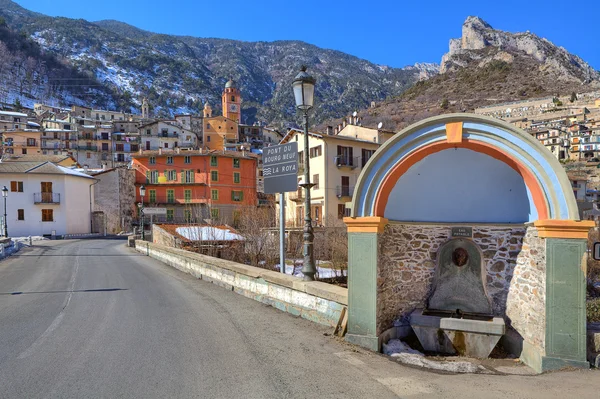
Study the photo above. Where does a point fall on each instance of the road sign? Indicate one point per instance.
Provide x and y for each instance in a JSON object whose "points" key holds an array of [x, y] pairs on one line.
{"points": [[154, 211], [597, 251], [280, 168]]}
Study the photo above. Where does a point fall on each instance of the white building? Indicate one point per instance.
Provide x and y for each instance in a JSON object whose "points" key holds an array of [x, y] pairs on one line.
{"points": [[166, 135], [44, 198]]}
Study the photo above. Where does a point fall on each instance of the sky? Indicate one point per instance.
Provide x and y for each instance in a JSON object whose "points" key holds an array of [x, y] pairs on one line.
{"points": [[388, 32]]}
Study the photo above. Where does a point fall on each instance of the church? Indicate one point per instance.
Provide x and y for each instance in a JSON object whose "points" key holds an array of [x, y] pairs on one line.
{"points": [[221, 132]]}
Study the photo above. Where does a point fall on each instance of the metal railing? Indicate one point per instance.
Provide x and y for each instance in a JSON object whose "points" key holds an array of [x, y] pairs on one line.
{"points": [[344, 191], [343, 160], [46, 198]]}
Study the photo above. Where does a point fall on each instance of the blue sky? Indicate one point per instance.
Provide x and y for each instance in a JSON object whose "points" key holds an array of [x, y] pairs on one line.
{"points": [[389, 32]]}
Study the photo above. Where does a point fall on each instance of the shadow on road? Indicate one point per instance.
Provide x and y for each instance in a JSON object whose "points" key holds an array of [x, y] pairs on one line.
{"points": [[60, 292]]}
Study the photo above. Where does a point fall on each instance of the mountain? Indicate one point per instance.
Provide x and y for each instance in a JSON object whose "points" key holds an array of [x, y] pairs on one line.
{"points": [[179, 73], [487, 66]]}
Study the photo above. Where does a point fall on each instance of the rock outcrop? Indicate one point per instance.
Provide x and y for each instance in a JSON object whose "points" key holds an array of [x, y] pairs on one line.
{"points": [[480, 44]]}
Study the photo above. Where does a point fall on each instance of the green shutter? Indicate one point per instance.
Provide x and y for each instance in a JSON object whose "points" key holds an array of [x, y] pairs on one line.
{"points": [[147, 177], [183, 177], [241, 195], [193, 176]]}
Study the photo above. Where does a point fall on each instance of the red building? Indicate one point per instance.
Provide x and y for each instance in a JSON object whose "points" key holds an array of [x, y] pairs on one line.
{"points": [[194, 185]]}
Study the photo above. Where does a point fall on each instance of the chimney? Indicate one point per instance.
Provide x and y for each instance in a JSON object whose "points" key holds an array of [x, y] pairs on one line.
{"points": [[178, 150], [85, 169], [159, 151], [344, 123], [330, 130]]}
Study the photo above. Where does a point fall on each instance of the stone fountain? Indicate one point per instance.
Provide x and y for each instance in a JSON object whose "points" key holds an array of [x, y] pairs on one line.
{"points": [[458, 318]]}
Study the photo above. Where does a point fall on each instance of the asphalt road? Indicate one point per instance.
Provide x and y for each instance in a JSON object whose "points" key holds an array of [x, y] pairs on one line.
{"points": [[92, 318]]}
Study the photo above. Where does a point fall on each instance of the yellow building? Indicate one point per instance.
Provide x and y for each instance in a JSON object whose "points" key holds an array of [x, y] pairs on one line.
{"points": [[20, 142], [336, 161]]}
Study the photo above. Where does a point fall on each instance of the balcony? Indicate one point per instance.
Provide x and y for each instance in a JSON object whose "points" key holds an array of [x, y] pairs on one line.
{"points": [[297, 196], [342, 161], [87, 147], [164, 200], [46, 198], [344, 191]]}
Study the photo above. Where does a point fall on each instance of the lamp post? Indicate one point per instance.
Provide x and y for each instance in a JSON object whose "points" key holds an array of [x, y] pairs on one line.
{"points": [[5, 194], [304, 89], [142, 193]]}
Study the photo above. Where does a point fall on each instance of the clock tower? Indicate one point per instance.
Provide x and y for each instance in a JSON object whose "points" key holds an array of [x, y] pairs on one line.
{"points": [[232, 102]]}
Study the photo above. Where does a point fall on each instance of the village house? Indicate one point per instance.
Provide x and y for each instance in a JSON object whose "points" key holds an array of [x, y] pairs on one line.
{"points": [[46, 199], [195, 186], [336, 160]]}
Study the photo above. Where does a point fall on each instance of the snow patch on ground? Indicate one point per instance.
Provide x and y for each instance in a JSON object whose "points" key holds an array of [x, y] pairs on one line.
{"points": [[208, 233], [322, 271], [403, 353]]}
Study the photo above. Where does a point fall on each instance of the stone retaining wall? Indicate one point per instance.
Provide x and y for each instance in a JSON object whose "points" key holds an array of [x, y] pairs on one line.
{"points": [[407, 264], [316, 301]]}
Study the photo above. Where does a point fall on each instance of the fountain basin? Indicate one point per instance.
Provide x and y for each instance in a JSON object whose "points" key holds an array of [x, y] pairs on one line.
{"points": [[474, 337]]}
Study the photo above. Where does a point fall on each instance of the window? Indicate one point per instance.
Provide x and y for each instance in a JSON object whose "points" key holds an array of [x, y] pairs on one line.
{"points": [[152, 177], [187, 214], [47, 215], [214, 175], [296, 137], [315, 182], [31, 142], [16, 186], [152, 161], [236, 177], [88, 155], [187, 176], [237, 196], [233, 98], [169, 160], [213, 161], [315, 152], [171, 175], [170, 215], [170, 196], [148, 132], [214, 213], [188, 196], [236, 163], [187, 159], [20, 214], [152, 194], [366, 155], [214, 195], [24, 151]]}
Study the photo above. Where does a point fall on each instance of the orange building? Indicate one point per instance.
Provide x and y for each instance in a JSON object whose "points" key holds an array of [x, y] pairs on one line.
{"points": [[194, 186], [231, 100]]}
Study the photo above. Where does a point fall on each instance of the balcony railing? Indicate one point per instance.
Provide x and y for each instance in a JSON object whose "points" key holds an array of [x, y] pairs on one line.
{"points": [[343, 160], [344, 191], [46, 198], [297, 196], [87, 147]]}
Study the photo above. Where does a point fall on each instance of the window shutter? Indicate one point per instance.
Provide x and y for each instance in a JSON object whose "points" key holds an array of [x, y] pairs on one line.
{"points": [[147, 177], [241, 195], [183, 177], [192, 176], [232, 195], [13, 186]]}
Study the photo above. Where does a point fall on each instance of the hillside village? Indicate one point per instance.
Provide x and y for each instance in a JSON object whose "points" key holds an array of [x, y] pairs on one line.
{"points": [[208, 167]]}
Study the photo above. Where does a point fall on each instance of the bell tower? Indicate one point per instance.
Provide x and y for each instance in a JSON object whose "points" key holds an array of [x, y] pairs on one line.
{"points": [[232, 102], [145, 109], [207, 110]]}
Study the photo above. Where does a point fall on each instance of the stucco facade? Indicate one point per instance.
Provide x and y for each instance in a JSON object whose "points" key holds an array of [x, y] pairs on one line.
{"points": [[44, 199]]}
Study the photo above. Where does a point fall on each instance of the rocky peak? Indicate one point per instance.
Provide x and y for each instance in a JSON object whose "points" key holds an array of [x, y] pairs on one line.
{"points": [[481, 44]]}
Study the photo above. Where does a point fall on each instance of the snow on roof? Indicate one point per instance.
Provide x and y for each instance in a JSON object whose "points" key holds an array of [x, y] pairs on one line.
{"points": [[208, 233], [13, 113], [30, 123], [73, 172]]}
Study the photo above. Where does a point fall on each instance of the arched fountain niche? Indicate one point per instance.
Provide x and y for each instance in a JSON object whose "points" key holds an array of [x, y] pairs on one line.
{"points": [[467, 188]]}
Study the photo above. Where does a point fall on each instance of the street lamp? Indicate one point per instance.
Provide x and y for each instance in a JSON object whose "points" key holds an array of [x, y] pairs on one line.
{"points": [[142, 193], [5, 194], [304, 90]]}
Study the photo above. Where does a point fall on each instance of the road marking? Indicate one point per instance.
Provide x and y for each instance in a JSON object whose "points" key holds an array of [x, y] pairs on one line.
{"points": [[55, 323]]}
